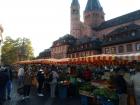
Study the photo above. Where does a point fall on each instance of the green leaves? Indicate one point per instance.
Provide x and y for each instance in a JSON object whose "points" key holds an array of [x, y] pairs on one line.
{"points": [[16, 50]]}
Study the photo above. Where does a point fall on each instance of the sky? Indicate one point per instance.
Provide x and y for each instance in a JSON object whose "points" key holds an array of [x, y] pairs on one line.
{"points": [[44, 21]]}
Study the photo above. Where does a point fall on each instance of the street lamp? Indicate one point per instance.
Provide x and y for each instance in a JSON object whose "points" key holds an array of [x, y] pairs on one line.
{"points": [[1, 39]]}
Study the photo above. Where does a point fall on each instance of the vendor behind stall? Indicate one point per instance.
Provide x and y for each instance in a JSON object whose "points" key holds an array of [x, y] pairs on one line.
{"points": [[87, 74]]}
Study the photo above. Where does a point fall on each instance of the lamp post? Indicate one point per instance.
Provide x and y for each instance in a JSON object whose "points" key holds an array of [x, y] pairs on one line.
{"points": [[1, 39]]}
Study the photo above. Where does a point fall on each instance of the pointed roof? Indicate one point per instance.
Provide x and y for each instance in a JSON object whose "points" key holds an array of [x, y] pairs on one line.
{"points": [[93, 5], [75, 3]]}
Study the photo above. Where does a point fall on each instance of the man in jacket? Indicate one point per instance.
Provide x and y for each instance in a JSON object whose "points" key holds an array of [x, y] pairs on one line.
{"points": [[3, 82], [8, 72], [40, 79], [121, 87]]}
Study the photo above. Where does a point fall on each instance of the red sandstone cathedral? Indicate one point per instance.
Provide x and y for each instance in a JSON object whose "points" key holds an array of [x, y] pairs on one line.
{"points": [[94, 35]]}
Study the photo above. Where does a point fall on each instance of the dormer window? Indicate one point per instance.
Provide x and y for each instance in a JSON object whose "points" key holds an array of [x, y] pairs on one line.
{"points": [[133, 34]]}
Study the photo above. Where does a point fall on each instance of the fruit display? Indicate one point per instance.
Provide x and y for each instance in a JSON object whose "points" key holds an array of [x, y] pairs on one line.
{"points": [[86, 87], [104, 92]]}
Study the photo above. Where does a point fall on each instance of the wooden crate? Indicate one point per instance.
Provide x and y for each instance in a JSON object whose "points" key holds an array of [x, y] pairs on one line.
{"points": [[82, 92]]}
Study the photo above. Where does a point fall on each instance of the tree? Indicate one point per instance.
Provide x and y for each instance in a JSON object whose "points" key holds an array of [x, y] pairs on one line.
{"points": [[16, 50]]}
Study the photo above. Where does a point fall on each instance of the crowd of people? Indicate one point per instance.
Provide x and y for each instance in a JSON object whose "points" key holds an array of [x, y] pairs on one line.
{"points": [[125, 79], [26, 75]]}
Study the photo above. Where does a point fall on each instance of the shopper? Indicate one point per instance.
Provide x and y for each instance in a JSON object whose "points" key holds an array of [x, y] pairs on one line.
{"points": [[53, 83], [27, 81], [41, 80], [136, 84], [20, 75], [3, 82], [8, 71], [121, 87]]}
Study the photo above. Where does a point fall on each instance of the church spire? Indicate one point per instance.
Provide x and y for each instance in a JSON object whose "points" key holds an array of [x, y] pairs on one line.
{"points": [[93, 14], [75, 19], [75, 3], [93, 5]]}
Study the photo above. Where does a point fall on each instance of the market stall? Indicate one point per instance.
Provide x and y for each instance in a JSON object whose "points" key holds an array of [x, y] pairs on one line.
{"points": [[98, 88]]}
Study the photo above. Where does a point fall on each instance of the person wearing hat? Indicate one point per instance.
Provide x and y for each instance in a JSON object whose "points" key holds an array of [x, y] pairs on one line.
{"points": [[40, 79]]}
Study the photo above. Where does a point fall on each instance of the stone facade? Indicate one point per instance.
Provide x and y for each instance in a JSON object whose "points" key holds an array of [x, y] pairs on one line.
{"points": [[94, 28], [93, 17]]}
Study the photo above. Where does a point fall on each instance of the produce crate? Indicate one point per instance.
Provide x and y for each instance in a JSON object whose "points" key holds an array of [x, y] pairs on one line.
{"points": [[85, 93]]}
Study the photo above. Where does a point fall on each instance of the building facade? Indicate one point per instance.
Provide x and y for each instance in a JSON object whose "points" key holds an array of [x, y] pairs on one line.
{"points": [[94, 35], [125, 39], [60, 47]]}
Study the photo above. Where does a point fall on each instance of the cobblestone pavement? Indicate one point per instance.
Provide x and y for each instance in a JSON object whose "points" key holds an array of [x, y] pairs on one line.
{"points": [[36, 100]]}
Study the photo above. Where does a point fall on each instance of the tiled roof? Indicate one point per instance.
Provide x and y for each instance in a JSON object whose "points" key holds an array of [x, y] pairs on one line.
{"points": [[126, 28], [126, 36], [83, 39], [67, 39], [75, 3], [119, 20], [93, 5]]}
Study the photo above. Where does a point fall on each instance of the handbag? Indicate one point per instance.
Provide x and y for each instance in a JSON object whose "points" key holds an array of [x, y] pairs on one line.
{"points": [[20, 90]]}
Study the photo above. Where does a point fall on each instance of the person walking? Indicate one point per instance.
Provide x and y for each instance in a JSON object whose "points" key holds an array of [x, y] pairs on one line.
{"points": [[20, 75], [3, 82], [27, 82], [121, 87], [8, 71], [53, 83], [40, 79], [136, 84]]}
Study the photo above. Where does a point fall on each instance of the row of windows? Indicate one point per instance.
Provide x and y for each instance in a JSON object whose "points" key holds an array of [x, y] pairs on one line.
{"points": [[81, 54], [81, 47], [59, 49], [121, 48]]}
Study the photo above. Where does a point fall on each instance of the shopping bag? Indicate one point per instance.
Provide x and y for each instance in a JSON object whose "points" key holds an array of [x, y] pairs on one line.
{"points": [[20, 90]]}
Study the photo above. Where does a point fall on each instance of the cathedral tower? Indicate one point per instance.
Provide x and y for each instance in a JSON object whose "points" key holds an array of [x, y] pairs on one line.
{"points": [[93, 14], [75, 19]]}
